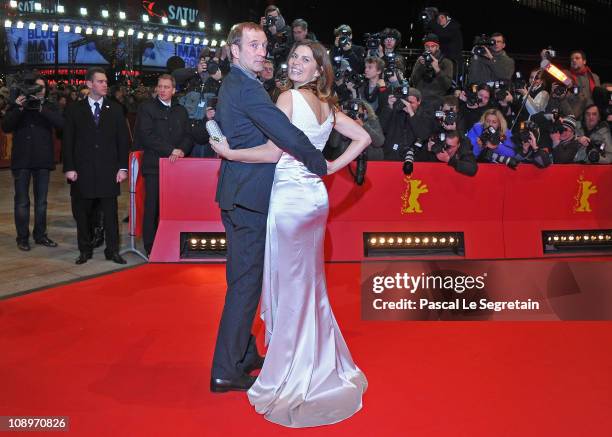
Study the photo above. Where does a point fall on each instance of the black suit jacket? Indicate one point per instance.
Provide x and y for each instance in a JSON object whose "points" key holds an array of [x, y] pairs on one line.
{"points": [[247, 118], [96, 153]]}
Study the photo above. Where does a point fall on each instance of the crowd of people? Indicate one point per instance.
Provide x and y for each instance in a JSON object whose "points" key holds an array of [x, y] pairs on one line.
{"points": [[435, 109]]}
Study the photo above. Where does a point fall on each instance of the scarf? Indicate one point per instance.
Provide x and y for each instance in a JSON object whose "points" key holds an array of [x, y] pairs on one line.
{"points": [[584, 71]]}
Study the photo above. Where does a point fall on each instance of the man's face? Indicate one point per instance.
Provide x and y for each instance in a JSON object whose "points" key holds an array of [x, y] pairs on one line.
{"points": [[268, 71], [447, 108], [371, 70], [483, 97], [165, 89], [414, 102], [273, 14], [442, 20], [432, 47], [41, 93], [390, 43], [567, 134], [251, 53], [500, 44], [591, 117], [98, 85], [577, 61], [299, 33]]}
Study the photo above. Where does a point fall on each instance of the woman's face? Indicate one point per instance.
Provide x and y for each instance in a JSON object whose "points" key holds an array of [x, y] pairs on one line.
{"points": [[492, 120], [535, 79], [302, 65]]}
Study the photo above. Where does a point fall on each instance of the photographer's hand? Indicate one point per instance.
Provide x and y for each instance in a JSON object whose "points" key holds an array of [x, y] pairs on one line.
{"points": [[20, 101], [462, 96], [348, 46], [532, 141], [337, 41], [443, 156], [262, 21], [490, 145], [421, 60], [381, 83], [407, 108], [585, 141], [555, 137], [435, 64], [71, 176], [488, 54]]}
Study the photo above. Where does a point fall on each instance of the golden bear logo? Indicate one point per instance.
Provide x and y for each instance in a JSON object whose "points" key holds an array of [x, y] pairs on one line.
{"points": [[410, 198], [585, 190]]}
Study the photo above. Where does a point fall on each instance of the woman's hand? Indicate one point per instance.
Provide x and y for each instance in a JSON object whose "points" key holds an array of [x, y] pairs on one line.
{"points": [[222, 148], [331, 168]]}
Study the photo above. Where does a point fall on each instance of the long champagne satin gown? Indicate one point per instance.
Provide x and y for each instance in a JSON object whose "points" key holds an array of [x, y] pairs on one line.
{"points": [[308, 377]]}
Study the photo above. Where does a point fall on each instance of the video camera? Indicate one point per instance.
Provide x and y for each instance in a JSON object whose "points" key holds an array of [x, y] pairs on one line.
{"points": [[428, 16], [24, 84], [480, 43], [390, 65], [345, 38]]}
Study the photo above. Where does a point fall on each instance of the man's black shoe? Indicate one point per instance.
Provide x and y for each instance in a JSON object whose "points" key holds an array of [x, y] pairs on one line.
{"points": [[255, 365], [241, 383], [115, 257], [23, 245], [83, 257], [46, 241]]}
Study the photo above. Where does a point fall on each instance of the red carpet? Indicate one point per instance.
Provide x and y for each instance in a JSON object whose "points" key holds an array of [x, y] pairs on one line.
{"points": [[129, 354]]}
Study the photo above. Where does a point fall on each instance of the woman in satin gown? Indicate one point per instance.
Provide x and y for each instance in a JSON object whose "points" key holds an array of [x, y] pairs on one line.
{"points": [[308, 377]]}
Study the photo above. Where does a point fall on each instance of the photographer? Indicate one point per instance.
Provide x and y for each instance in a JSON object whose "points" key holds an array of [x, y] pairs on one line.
{"points": [[432, 72], [451, 39], [278, 34], [585, 81], [392, 39], [205, 78], [405, 121], [454, 149], [374, 89], [529, 151], [536, 96], [31, 119], [474, 101], [345, 49], [593, 134], [299, 29], [365, 116], [564, 142], [490, 63], [491, 139]]}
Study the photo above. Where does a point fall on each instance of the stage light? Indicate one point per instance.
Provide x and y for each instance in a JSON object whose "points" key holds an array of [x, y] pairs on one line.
{"points": [[164, 20], [178, 39], [222, 43], [130, 31], [183, 22], [160, 36], [78, 29], [13, 4], [121, 15], [170, 38], [37, 7], [145, 18], [83, 12], [7, 23], [413, 244], [213, 43], [61, 9], [121, 33], [140, 35], [32, 26], [577, 241], [99, 31], [203, 245], [20, 24], [187, 40], [217, 27], [66, 28], [201, 25], [196, 40], [104, 13], [88, 31], [110, 32], [205, 41], [44, 27], [150, 35]]}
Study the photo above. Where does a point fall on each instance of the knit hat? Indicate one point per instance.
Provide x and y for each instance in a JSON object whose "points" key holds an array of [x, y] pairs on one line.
{"points": [[569, 122], [415, 93], [431, 37]]}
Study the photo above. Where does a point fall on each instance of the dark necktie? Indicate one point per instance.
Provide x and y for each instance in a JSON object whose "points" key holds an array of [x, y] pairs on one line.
{"points": [[97, 113]]}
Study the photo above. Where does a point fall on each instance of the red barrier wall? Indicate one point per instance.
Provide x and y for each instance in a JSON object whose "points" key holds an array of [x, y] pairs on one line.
{"points": [[501, 212]]}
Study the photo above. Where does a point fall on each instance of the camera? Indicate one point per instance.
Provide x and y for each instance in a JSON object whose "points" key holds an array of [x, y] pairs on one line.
{"points": [[439, 143], [471, 94], [372, 42], [480, 43], [351, 108], [390, 65], [561, 90], [270, 21], [27, 86], [489, 155], [428, 15], [525, 129], [282, 74], [345, 38], [212, 67], [490, 135], [427, 57], [446, 117], [595, 150], [500, 90], [557, 127], [354, 77], [549, 53]]}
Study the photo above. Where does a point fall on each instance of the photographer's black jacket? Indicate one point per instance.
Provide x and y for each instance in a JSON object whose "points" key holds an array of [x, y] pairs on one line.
{"points": [[464, 160], [159, 130], [401, 131], [355, 57], [451, 39], [32, 135]]}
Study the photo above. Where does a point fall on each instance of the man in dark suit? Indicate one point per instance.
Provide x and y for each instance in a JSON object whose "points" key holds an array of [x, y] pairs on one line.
{"points": [[248, 118], [162, 131], [95, 152]]}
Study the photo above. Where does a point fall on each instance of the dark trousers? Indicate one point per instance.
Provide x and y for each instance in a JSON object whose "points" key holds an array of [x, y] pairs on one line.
{"points": [[84, 213], [246, 238], [150, 218], [22, 202]]}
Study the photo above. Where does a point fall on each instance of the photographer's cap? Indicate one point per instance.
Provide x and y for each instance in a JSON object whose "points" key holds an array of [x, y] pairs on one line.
{"points": [[569, 122], [414, 93], [431, 37]]}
